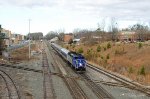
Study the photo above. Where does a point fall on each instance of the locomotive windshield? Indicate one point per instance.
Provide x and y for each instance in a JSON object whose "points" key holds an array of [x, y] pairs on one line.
{"points": [[81, 60], [78, 57]]}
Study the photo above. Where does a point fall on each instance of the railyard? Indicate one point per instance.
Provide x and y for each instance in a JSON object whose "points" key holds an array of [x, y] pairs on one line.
{"points": [[74, 49], [49, 77]]}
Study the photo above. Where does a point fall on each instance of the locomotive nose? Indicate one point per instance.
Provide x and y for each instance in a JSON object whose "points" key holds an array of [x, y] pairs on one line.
{"points": [[80, 64]]}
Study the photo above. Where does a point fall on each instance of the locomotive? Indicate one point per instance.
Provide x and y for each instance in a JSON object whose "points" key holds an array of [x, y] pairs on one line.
{"points": [[77, 61]]}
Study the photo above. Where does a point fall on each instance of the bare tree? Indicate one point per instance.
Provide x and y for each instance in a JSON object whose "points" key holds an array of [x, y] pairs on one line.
{"points": [[76, 30], [103, 28], [61, 36], [51, 35], [141, 31], [61, 33], [79, 33], [113, 28], [100, 30]]}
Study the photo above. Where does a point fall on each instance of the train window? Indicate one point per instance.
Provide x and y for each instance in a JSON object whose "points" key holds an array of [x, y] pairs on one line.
{"points": [[81, 57], [75, 57]]}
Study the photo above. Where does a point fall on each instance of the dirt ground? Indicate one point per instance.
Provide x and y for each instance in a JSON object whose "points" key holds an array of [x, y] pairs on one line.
{"points": [[29, 83], [21, 54], [124, 58]]}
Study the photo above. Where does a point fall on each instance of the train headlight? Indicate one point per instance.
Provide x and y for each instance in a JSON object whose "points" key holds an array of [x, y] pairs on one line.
{"points": [[80, 64]]}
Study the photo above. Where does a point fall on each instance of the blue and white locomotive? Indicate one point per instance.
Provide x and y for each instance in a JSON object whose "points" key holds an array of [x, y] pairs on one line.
{"points": [[76, 60]]}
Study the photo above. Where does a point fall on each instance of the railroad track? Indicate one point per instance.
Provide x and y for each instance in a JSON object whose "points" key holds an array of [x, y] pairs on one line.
{"points": [[21, 68], [109, 83], [47, 80], [97, 89], [125, 82], [122, 82], [74, 88], [11, 91]]}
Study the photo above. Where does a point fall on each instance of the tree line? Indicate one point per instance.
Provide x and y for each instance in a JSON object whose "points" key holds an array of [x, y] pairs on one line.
{"points": [[142, 32]]}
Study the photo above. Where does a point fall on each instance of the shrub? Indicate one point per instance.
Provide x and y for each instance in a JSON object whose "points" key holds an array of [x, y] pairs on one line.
{"points": [[104, 48], [70, 41], [98, 48], [142, 71], [130, 70], [102, 57], [75, 50], [73, 46], [89, 54], [88, 51], [140, 45], [67, 47], [105, 61], [116, 52], [108, 45], [107, 57], [120, 52], [95, 54], [80, 50]]}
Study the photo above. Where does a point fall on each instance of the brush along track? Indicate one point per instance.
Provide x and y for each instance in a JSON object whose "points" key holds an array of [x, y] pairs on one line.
{"points": [[124, 82], [12, 91], [74, 88], [47, 81]]}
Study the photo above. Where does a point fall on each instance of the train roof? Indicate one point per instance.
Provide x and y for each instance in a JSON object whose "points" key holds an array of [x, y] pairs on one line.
{"points": [[65, 50], [56, 45]]}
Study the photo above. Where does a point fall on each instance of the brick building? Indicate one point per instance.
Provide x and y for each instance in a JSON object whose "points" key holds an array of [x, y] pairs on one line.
{"points": [[68, 37], [7, 37], [17, 38], [127, 36]]}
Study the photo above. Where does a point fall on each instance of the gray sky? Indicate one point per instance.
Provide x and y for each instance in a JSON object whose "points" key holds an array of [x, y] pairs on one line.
{"points": [[48, 15]]}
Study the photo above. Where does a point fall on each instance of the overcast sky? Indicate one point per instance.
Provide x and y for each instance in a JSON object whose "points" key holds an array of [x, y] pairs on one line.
{"points": [[52, 15]]}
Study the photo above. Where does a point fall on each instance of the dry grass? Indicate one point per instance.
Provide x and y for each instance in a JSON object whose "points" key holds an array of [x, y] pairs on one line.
{"points": [[121, 58], [22, 54]]}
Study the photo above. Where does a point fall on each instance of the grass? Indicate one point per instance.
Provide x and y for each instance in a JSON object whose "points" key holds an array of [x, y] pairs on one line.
{"points": [[121, 57]]}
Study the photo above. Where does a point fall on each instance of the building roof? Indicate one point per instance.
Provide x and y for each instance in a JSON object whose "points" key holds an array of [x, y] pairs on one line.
{"points": [[77, 40]]}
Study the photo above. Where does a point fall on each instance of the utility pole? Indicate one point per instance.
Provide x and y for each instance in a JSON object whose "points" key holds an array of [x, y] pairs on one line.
{"points": [[1, 41], [29, 39]]}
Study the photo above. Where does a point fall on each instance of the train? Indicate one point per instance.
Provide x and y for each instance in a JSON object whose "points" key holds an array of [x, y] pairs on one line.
{"points": [[76, 60]]}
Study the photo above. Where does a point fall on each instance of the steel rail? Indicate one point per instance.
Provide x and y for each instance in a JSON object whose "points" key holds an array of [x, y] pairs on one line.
{"points": [[47, 82], [120, 79], [15, 87], [97, 89], [76, 91], [21, 68]]}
